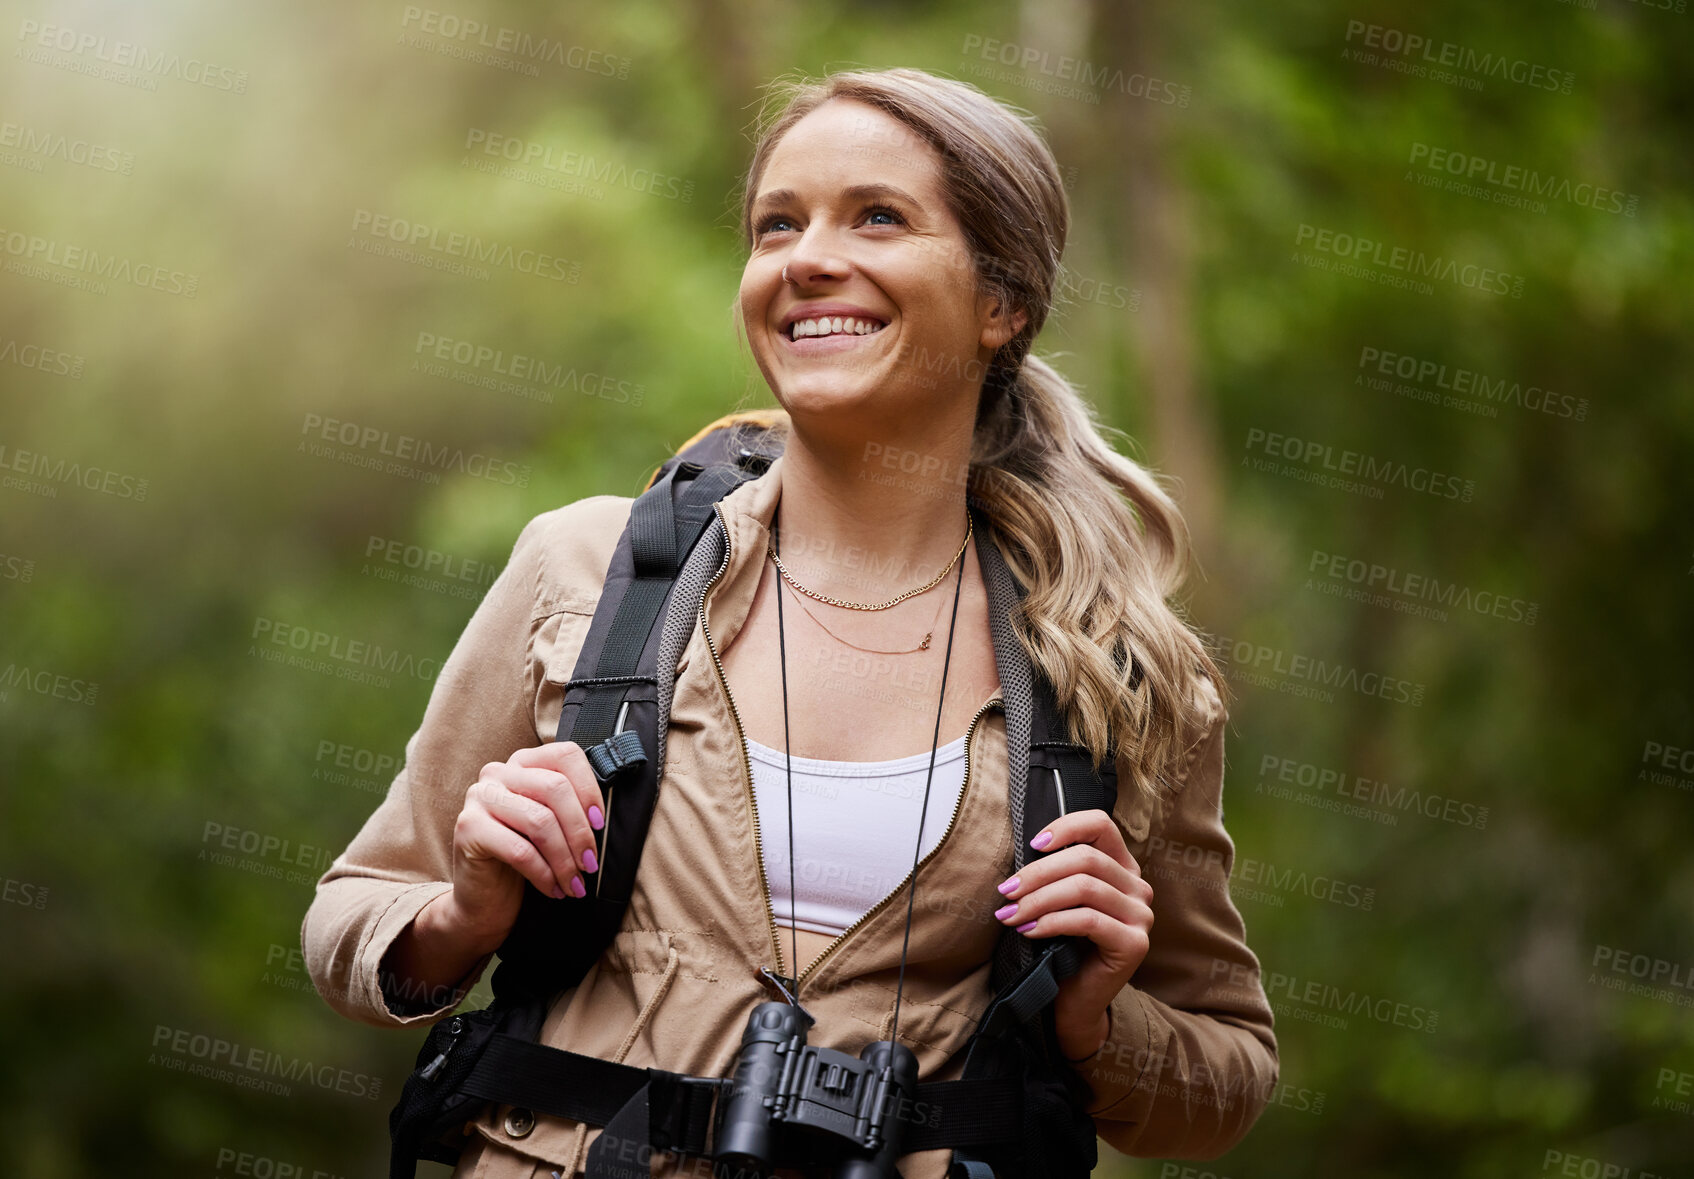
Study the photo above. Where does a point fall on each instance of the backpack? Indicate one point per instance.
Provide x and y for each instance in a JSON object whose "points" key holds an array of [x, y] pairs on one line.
{"points": [[1017, 1112]]}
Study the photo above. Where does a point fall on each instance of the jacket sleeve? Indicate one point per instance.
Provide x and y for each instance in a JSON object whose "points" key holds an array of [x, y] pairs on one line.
{"points": [[479, 711], [1190, 1056]]}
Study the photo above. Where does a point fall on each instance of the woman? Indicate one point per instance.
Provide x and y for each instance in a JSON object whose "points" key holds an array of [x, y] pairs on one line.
{"points": [[912, 228]]}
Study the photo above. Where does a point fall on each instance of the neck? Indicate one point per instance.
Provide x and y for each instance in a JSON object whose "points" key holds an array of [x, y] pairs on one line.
{"points": [[871, 524]]}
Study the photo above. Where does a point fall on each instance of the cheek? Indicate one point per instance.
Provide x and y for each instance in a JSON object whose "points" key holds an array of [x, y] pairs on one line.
{"points": [[750, 305]]}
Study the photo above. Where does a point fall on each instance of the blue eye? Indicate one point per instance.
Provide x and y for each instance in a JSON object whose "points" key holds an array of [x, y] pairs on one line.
{"points": [[770, 221]]}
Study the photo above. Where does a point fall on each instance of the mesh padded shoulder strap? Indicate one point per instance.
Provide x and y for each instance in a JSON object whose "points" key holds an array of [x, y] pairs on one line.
{"points": [[611, 711]]}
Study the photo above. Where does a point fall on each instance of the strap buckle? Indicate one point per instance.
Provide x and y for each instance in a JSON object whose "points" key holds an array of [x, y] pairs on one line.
{"points": [[680, 1110], [616, 754]]}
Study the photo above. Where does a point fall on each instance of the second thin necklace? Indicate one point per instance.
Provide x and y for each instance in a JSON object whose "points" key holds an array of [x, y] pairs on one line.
{"points": [[770, 549]]}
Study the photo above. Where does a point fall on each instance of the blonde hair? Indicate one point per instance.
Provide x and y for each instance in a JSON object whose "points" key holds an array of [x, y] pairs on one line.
{"points": [[1094, 537]]}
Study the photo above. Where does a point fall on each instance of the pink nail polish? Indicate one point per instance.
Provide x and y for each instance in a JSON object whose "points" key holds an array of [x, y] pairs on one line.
{"points": [[558, 893], [576, 887], [1042, 840], [596, 819], [1026, 927], [1006, 888], [589, 863], [1004, 912]]}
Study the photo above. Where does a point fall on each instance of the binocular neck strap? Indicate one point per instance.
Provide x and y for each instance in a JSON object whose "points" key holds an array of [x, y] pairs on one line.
{"points": [[912, 885]]}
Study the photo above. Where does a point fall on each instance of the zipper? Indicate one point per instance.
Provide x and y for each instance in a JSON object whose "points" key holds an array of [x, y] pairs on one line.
{"points": [[964, 789], [741, 737]]}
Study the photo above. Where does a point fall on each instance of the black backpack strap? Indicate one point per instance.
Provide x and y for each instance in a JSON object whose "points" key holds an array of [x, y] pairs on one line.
{"points": [[1015, 1038], [611, 711], [469, 1059]]}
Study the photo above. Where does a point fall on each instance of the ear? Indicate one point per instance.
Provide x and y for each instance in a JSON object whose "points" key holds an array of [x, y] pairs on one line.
{"points": [[999, 326]]}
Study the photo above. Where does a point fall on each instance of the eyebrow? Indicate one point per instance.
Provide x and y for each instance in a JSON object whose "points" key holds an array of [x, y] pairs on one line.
{"points": [[782, 196]]}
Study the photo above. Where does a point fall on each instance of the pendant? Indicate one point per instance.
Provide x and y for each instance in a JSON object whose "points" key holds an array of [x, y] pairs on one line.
{"points": [[924, 646]]}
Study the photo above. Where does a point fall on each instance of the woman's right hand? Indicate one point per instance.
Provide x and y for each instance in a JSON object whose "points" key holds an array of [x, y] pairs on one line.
{"points": [[531, 817]]}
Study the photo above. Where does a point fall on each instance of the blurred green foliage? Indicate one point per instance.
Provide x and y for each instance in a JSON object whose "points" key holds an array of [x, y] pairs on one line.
{"points": [[117, 925]]}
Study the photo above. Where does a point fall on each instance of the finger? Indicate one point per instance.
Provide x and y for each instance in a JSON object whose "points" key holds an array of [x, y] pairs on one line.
{"points": [[479, 836], [536, 822], [560, 795], [1076, 891], [568, 758], [1094, 827], [1083, 858], [1122, 946]]}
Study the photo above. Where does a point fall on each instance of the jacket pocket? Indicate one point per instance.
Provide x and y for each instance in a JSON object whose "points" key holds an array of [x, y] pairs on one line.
{"points": [[558, 641]]}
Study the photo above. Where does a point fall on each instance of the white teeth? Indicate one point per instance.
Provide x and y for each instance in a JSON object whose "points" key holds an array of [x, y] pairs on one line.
{"points": [[835, 325]]}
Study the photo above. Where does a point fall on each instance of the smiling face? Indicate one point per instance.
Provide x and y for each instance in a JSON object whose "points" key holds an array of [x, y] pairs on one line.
{"points": [[880, 316]]}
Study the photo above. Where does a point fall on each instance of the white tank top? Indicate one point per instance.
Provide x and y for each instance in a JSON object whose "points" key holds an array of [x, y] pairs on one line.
{"points": [[855, 828]]}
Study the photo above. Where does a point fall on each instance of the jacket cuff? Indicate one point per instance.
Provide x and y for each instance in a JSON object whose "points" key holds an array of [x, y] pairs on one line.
{"points": [[1126, 1058], [393, 1002], [1165, 1087]]}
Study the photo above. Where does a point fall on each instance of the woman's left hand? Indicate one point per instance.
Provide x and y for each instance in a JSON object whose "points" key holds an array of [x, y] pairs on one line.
{"points": [[1090, 887]]}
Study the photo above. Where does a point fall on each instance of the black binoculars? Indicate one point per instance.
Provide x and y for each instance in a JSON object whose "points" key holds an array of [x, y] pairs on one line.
{"points": [[795, 1104]]}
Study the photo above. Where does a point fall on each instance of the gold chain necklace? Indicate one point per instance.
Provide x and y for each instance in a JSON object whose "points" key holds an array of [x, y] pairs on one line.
{"points": [[770, 548], [923, 646]]}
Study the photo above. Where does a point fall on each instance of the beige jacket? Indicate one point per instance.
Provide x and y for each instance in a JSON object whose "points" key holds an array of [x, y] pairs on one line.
{"points": [[1190, 1060]]}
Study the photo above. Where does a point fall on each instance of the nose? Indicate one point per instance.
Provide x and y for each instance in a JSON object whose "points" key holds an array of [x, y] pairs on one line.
{"points": [[817, 257]]}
